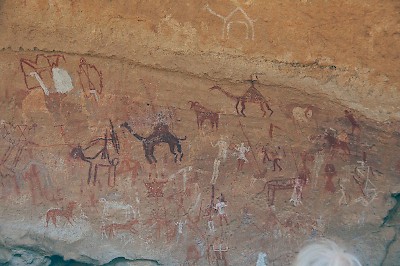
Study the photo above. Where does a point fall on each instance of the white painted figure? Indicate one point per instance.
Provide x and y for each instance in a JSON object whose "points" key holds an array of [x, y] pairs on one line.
{"points": [[237, 16], [215, 173], [184, 171], [180, 225], [222, 149], [262, 259], [318, 162], [220, 207], [41, 83], [62, 80], [241, 152], [241, 155], [114, 205]]}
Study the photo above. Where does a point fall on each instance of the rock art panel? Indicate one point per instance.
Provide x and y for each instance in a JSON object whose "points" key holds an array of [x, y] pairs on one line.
{"points": [[251, 191]]}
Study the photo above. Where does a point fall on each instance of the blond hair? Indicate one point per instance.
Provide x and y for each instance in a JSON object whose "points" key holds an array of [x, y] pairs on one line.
{"points": [[325, 252]]}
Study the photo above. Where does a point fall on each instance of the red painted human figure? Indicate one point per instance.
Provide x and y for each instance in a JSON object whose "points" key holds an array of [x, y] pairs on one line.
{"points": [[91, 79], [330, 172], [271, 130], [355, 127]]}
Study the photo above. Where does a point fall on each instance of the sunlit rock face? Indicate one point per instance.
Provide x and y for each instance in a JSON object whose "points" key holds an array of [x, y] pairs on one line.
{"points": [[198, 132]]}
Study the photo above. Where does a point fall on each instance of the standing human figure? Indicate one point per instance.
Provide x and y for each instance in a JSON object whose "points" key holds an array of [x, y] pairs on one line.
{"points": [[355, 127], [330, 172], [241, 155], [210, 219], [222, 154], [222, 148], [319, 158], [220, 207], [274, 155]]}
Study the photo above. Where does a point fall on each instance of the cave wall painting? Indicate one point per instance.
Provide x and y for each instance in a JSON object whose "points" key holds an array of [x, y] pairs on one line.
{"points": [[147, 190]]}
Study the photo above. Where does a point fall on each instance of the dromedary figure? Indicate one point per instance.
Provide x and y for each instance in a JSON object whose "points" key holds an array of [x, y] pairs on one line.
{"points": [[252, 95], [160, 134]]}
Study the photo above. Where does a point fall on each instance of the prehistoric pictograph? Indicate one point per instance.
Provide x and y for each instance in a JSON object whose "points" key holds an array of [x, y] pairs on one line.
{"points": [[337, 142], [362, 176], [109, 230], [35, 176], [203, 114], [196, 197], [113, 207], [220, 207], [17, 145], [271, 130], [91, 80], [236, 17], [297, 184], [66, 213], [252, 95], [221, 157], [302, 116], [330, 173], [220, 249], [273, 155], [319, 158], [161, 134], [355, 127], [344, 196], [131, 166], [155, 188], [19, 139], [102, 158], [44, 72], [240, 153]]}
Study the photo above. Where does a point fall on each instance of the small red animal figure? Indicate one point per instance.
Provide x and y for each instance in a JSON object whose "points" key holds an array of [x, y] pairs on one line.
{"points": [[337, 142], [203, 114], [66, 213]]}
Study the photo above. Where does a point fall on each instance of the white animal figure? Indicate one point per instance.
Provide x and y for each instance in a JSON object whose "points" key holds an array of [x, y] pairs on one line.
{"points": [[115, 205], [302, 115]]}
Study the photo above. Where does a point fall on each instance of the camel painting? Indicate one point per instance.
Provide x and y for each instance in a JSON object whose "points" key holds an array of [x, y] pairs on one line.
{"points": [[160, 134], [101, 158], [252, 95]]}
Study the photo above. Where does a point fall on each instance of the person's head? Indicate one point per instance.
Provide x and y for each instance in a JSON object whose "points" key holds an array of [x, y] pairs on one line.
{"points": [[325, 253]]}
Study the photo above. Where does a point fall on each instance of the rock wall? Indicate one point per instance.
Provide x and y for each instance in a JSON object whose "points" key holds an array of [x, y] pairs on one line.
{"points": [[197, 132]]}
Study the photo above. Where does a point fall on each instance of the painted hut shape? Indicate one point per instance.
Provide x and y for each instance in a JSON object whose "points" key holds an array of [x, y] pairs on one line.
{"points": [[237, 16]]}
